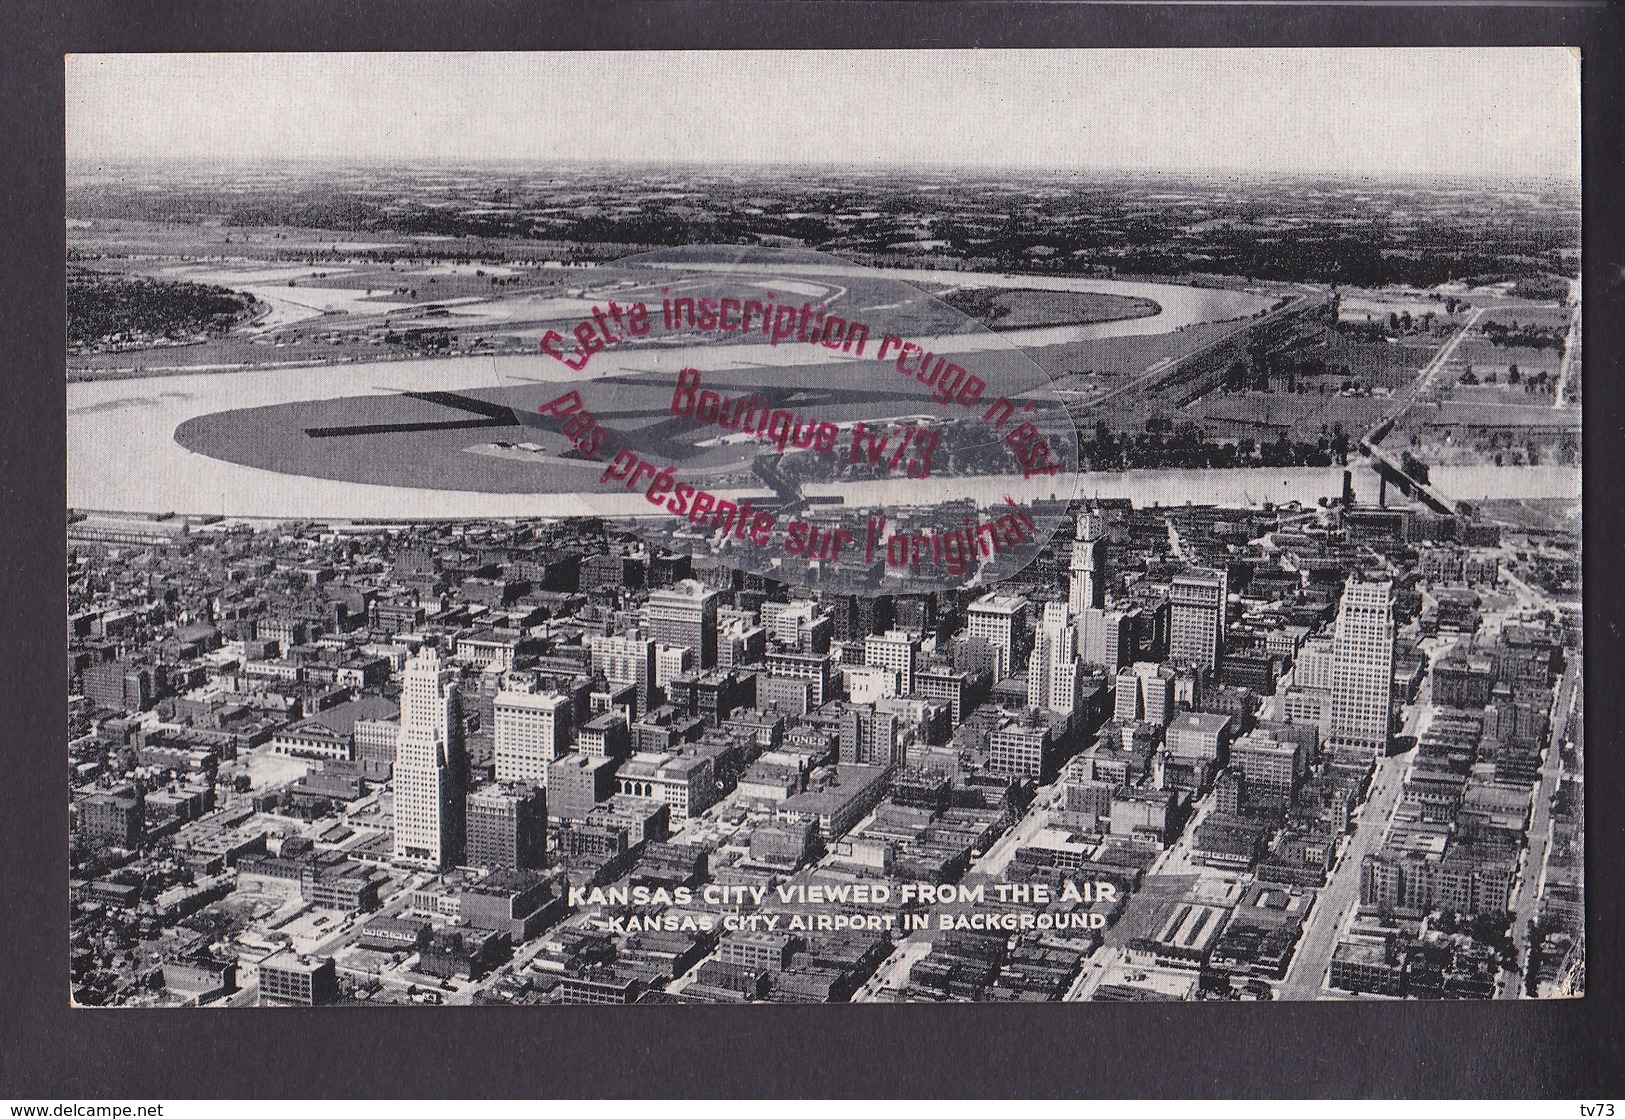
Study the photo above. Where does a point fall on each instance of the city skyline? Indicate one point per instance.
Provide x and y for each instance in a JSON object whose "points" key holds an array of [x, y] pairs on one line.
{"points": [[887, 741], [409, 666]]}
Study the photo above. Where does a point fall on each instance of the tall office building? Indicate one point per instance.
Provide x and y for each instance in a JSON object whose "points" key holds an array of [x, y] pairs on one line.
{"points": [[1052, 671], [895, 649], [941, 684], [870, 736], [1126, 696], [1088, 565], [1021, 747], [672, 661], [507, 827], [917, 612], [1196, 624], [530, 730], [1145, 691], [1108, 637], [739, 643], [1313, 666], [628, 658], [430, 766], [1001, 621], [801, 624], [686, 614], [853, 618], [1363, 668]]}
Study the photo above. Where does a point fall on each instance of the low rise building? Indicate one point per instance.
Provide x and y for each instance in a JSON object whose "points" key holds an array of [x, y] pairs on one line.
{"points": [[289, 979]]}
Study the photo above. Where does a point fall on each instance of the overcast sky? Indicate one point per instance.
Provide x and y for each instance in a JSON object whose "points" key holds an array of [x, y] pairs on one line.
{"points": [[1470, 111]]}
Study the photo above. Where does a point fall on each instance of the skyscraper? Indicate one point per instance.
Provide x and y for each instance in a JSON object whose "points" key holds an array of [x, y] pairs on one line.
{"points": [[672, 661], [1052, 671], [507, 826], [1088, 565], [1145, 691], [896, 649], [1108, 637], [1313, 665], [1363, 668], [1001, 621], [430, 766], [529, 731], [800, 625], [1126, 696], [629, 659], [686, 615], [1196, 630], [870, 736]]}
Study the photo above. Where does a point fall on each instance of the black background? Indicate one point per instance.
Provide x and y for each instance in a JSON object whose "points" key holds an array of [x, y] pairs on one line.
{"points": [[1557, 1049]]}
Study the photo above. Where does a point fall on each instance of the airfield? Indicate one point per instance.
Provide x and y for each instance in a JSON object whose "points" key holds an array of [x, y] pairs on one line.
{"points": [[312, 422], [459, 435]]}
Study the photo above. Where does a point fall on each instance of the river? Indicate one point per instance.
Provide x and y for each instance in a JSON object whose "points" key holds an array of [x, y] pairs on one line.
{"points": [[1182, 305], [122, 455]]}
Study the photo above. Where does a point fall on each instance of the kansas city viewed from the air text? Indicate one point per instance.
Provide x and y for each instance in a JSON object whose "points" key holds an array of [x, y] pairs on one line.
{"points": [[664, 574]]}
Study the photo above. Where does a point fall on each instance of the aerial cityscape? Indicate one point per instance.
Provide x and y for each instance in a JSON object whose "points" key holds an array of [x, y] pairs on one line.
{"points": [[457, 615]]}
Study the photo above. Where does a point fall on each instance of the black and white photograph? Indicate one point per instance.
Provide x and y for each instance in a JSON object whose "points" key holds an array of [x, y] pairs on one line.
{"points": [[824, 526]]}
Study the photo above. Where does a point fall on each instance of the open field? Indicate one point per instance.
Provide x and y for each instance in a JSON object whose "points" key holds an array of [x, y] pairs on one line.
{"points": [[335, 300], [1526, 314], [1512, 434], [1501, 393], [1482, 413], [1075, 364], [1374, 306], [1388, 365], [1265, 416], [1487, 358], [1541, 515], [268, 769]]}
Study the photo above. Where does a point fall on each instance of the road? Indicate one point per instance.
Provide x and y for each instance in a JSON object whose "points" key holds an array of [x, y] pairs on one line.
{"points": [[1532, 879], [1313, 959], [892, 975], [989, 868], [1094, 971], [1144, 379], [1175, 860], [1333, 902], [1431, 369], [1176, 544], [1403, 399], [1179, 858], [1341, 894], [1419, 715], [1529, 598], [246, 995], [1406, 396]]}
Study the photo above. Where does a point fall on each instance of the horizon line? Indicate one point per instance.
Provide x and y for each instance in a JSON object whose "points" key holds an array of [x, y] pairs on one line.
{"points": [[80, 164]]}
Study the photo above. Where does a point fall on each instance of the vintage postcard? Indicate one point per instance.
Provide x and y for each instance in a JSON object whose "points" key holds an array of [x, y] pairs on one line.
{"points": [[824, 526]]}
